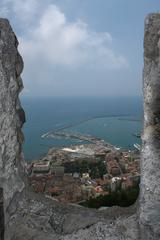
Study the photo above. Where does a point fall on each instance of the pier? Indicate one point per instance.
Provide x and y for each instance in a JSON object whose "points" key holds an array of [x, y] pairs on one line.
{"points": [[75, 136], [66, 126]]}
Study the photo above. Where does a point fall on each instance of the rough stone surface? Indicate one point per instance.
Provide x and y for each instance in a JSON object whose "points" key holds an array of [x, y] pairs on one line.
{"points": [[32, 216], [11, 158], [150, 160], [39, 218], [1, 215]]}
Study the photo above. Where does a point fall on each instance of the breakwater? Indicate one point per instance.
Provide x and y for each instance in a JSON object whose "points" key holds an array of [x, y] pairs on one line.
{"points": [[70, 125], [75, 136]]}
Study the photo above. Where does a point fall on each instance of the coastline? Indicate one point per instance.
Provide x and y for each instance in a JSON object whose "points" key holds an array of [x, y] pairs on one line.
{"points": [[77, 173], [110, 129]]}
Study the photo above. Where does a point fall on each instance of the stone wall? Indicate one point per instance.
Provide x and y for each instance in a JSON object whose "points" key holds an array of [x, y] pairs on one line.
{"points": [[11, 119], [150, 159], [1, 215]]}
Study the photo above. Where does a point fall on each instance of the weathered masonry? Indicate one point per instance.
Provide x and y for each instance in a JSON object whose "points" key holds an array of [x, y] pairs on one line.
{"points": [[1, 215], [26, 216], [11, 120], [150, 159]]}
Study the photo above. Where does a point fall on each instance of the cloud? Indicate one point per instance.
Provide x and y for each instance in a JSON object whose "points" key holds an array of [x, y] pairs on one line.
{"points": [[48, 33], [69, 44], [23, 11], [58, 50]]}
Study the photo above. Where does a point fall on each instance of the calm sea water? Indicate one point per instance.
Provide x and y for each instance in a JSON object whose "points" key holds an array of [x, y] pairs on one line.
{"points": [[45, 114]]}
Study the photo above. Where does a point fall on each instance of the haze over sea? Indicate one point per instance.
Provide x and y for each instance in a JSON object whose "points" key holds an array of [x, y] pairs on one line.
{"points": [[112, 125]]}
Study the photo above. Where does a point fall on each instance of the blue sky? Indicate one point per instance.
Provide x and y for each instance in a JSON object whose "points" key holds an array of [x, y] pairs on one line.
{"points": [[80, 47]]}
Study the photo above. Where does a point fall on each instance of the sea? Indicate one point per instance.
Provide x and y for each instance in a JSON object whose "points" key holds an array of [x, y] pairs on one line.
{"points": [[113, 119]]}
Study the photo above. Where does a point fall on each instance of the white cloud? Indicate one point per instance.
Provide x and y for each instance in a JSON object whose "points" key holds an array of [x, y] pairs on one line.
{"points": [[50, 43], [71, 44], [23, 11], [49, 34]]}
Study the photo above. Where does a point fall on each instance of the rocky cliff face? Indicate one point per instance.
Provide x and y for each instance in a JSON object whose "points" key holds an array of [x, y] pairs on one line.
{"points": [[150, 160], [11, 119], [33, 217]]}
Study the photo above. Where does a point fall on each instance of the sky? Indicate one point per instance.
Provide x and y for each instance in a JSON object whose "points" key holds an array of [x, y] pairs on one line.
{"points": [[80, 47]]}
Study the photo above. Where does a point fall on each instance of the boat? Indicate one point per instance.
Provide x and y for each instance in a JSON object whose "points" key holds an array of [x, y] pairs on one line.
{"points": [[137, 135], [137, 146]]}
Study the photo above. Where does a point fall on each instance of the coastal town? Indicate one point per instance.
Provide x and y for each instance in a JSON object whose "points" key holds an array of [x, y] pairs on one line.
{"points": [[80, 172]]}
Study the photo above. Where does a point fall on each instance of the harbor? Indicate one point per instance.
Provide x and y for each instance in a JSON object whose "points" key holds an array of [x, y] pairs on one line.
{"points": [[78, 173], [111, 130]]}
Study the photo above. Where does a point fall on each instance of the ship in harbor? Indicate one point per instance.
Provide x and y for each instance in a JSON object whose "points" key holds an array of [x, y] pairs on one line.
{"points": [[137, 146], [137, 135]]}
